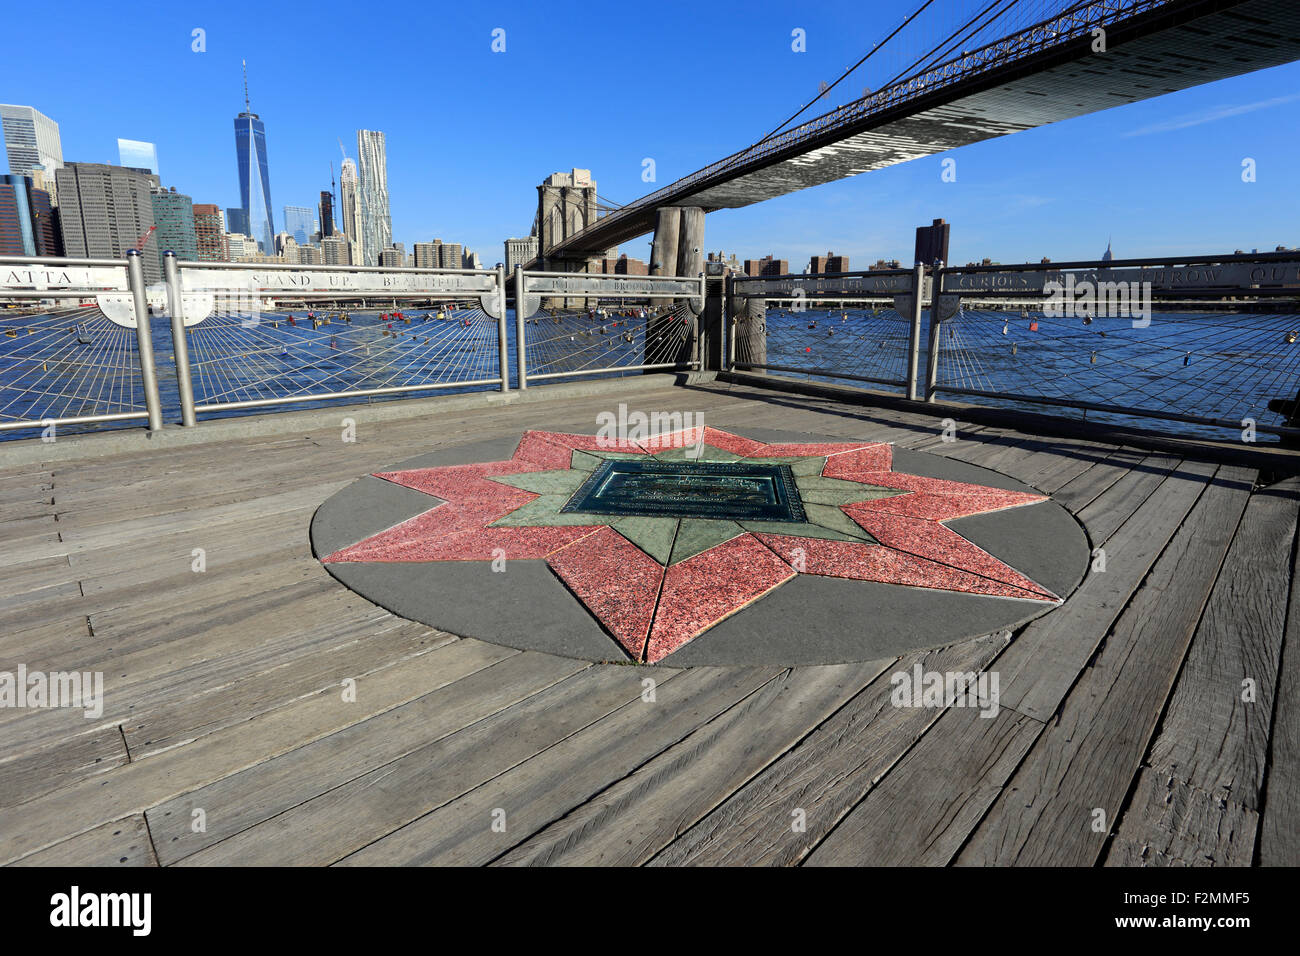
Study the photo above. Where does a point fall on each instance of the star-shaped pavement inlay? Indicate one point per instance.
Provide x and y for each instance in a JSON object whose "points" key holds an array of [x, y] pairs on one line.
{"points": [[656, 582]]}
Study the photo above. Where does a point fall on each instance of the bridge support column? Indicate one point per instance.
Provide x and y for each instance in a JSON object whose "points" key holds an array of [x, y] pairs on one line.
{"points": [[663, 254], [690, 248]]}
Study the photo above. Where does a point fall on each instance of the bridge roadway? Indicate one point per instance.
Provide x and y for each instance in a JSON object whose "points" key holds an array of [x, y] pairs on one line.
{"points": [[224, 687], [1171, 46]]}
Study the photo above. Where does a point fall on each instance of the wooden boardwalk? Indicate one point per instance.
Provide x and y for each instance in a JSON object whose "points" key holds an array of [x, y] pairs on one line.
{"points": [[1154, 719]]}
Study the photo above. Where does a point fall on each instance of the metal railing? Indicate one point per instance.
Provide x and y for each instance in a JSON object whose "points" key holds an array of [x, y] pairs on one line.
{"points": [[269, 335], [352, 333], [849, 327], [71, 350], [571, 325], [1211, 342]]}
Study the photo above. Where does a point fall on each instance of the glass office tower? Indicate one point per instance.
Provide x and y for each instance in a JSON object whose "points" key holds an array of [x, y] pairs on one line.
{"points": [[254, 179]]}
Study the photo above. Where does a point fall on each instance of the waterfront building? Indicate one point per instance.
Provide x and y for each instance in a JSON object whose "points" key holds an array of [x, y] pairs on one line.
{"points": [[104, 211], [173, 214], [28, 221], [31, 140], [426, 254], [376, 223], [932, 242], [236, 220], [240, 247], [520, 252], [391, 258], [138, 155], [350, 205], [209, 233], [254, 173], [298, 223], [767, 266], [336, 250], [325, 224]]}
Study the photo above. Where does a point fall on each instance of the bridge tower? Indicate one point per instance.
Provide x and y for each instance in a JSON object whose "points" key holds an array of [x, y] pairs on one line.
{"points": [[566, 204]]}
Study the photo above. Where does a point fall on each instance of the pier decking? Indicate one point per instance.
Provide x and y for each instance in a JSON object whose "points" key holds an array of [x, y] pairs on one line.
{"points": [[1153, 719]]}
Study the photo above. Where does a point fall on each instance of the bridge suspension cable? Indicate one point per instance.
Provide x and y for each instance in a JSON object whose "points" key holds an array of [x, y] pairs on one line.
{"points": [[897, 30]]}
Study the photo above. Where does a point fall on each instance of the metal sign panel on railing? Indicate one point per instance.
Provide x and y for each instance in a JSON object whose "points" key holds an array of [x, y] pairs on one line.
{"points": [[227, 281], [537, 285], [70, 278], [780, 287], [1237, 276]]}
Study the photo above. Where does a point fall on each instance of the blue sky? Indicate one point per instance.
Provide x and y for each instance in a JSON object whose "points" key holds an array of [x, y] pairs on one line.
{"points": [[604, 85]]}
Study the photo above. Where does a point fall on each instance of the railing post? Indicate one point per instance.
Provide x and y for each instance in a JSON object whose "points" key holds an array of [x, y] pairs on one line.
{"points": [[521, 350], [729, 317], [502, 341], [180, 345], [144, 338], [932, 355], [914, 349]]}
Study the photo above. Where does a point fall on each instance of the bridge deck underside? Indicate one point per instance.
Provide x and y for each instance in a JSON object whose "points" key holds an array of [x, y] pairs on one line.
{"points": [[1251, 36]]}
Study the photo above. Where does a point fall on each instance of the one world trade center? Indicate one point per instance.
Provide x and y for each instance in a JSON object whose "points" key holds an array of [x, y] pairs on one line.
{"points": [[254, 174]]}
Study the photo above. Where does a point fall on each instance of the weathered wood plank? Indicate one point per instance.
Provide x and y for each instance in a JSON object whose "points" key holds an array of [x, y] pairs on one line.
{"points": [[120, 843], [824, 776], [1170, 823], [1066, 796], [922, 810], [136, 786], [1210, 737], [1046, 658], [627, 823], [1279, 827], [245, 799], [561, 747]]}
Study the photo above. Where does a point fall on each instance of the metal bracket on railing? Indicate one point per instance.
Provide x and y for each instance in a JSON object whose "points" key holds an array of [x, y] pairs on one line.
{"points": [[537, 285], [946, 307]]}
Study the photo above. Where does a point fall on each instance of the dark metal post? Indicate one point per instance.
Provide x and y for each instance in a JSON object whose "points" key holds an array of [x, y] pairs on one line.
{"points": [[180, 346], [521, 351], [914, 345], [144, 338], [932, 358], [502, 339]]}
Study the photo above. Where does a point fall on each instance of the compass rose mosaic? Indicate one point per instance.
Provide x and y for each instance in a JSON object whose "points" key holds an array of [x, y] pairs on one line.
{"points": [[662, 539]]}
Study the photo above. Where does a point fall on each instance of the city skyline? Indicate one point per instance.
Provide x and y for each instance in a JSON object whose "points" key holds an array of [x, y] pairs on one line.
{"points": [[1163, 176]]}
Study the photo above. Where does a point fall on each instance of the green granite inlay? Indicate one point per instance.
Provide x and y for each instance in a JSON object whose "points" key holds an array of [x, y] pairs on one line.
{"points": [[545, 512], [829, 516], [699, 534], [591, 459], [558, 482], [802, 530], [836, 491], [707, 453], [654, 536]]}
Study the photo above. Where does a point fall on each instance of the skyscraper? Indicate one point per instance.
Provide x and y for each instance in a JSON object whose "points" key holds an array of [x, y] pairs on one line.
{"points": [[326, 214], [31, 139], [106, 210], [297, 223], [27, 223], [173, 214], [236, 220], [138, 155], [376, 223], [254, 173], [209, 233], [350, 204]]}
